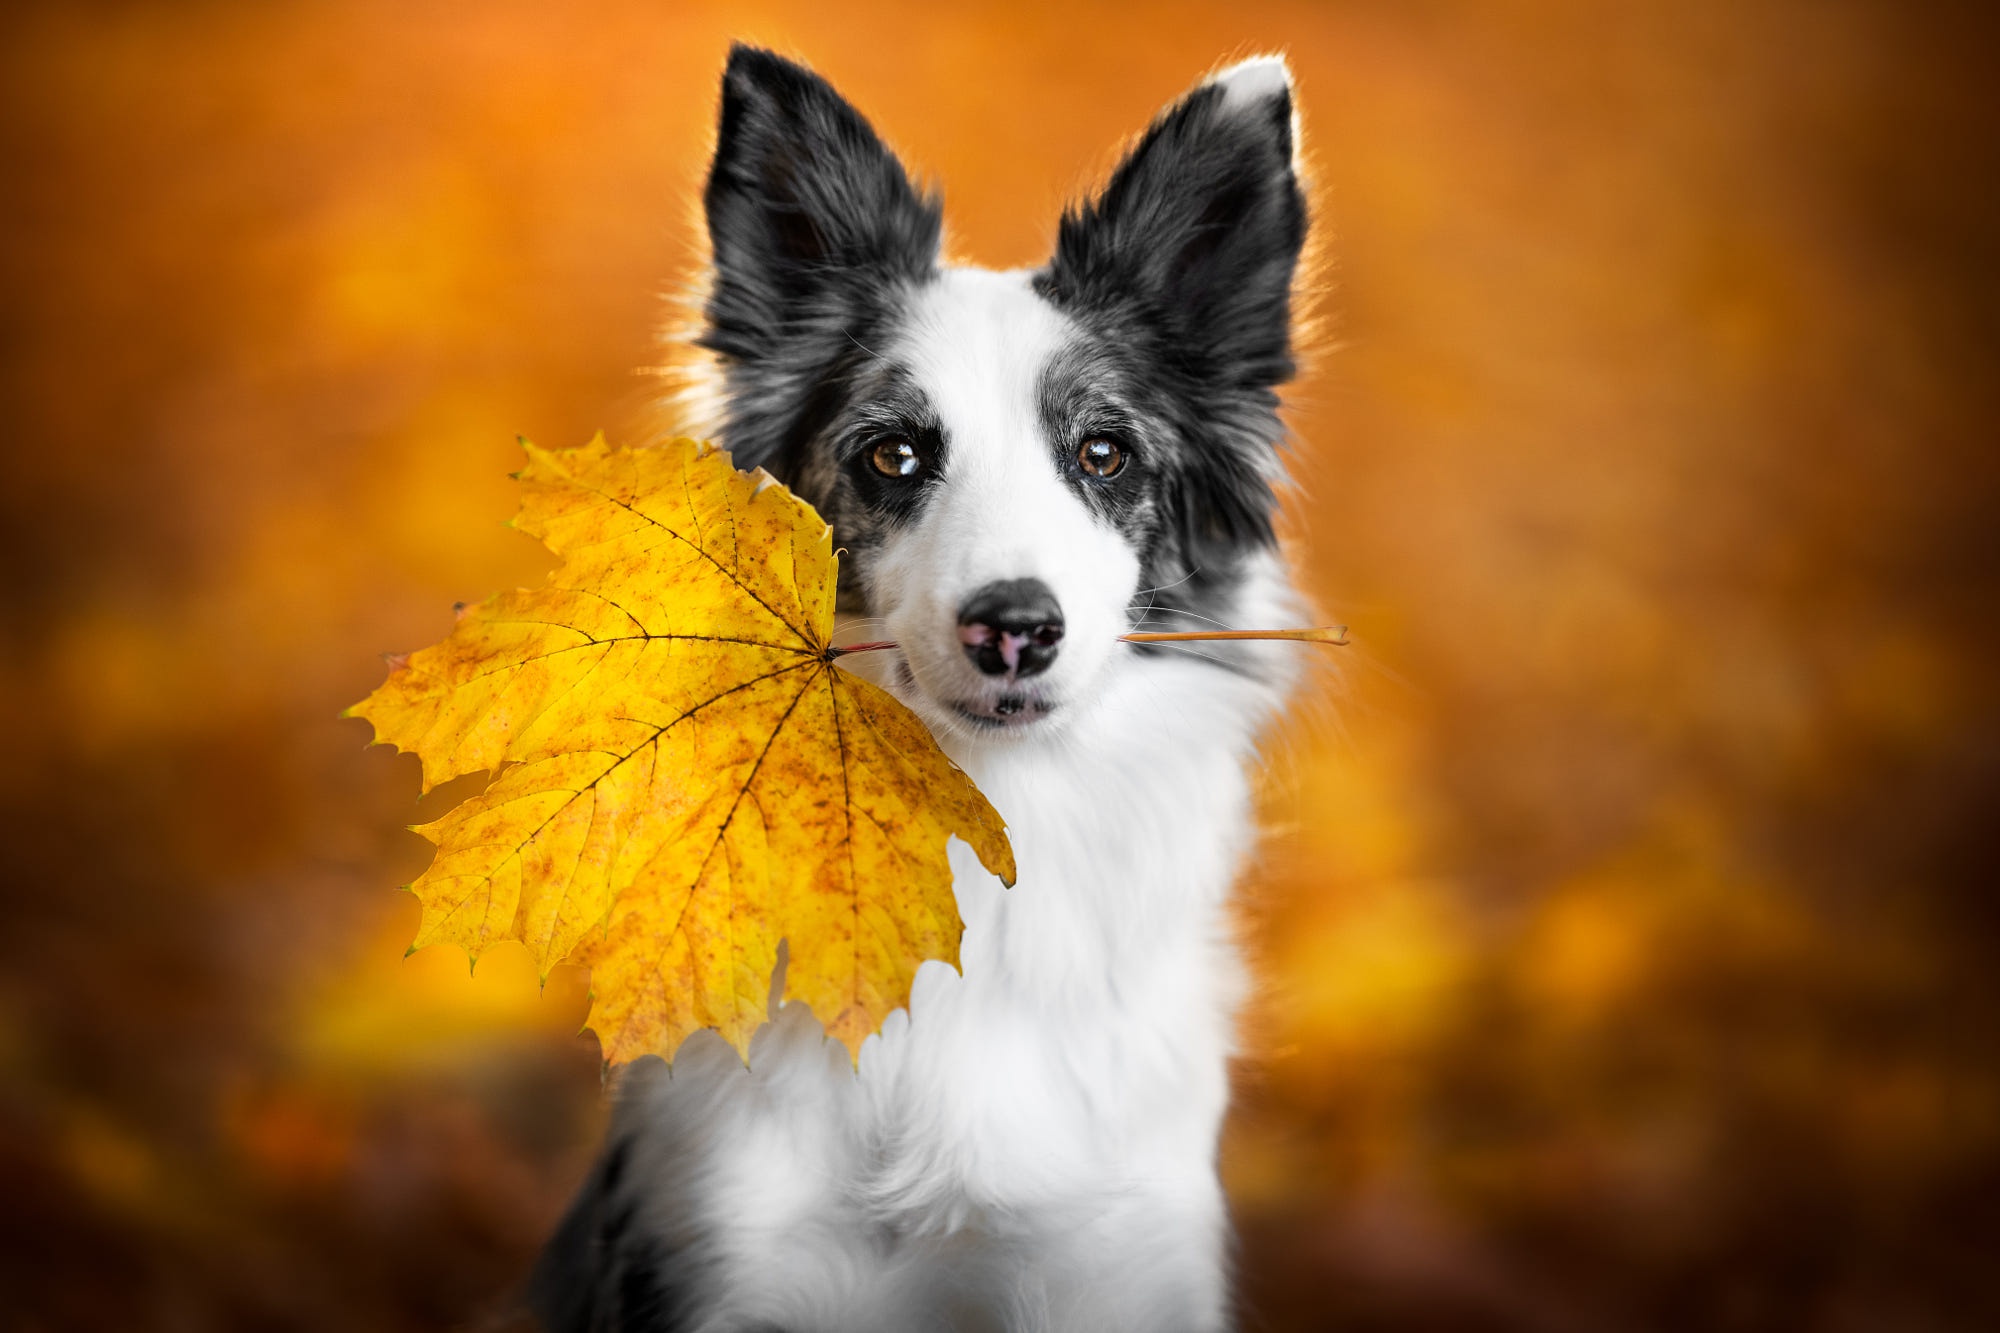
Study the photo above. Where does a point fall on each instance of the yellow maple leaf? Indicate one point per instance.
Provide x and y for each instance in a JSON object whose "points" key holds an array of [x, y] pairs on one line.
{"points": [[682, 775]]}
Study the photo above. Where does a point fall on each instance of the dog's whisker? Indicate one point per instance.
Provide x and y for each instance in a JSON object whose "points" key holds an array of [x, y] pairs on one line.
{"points": [[1191, 615], [1164, 587]]}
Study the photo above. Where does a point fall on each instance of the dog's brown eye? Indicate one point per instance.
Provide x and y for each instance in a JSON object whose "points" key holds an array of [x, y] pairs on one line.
{"points": [[895, 457], [1100, 457]]}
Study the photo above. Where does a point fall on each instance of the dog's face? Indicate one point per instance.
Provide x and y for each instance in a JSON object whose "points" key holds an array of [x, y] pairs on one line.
{"points": [[1019, 466]]}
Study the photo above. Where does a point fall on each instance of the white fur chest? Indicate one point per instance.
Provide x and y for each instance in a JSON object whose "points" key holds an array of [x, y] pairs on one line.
{"points": [[1082, 1048], [1059, 1095]]}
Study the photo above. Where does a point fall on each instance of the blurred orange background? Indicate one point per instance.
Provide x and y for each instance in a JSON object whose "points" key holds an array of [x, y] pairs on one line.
{"points": [[1628, 934]]}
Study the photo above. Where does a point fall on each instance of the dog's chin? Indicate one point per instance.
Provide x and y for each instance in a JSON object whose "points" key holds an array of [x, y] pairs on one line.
{"points": [[1010, 714], [987, 711]]}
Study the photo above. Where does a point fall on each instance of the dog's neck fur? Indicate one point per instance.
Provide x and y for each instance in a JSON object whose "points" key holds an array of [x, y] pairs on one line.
{"points": [[1037, 1133]]}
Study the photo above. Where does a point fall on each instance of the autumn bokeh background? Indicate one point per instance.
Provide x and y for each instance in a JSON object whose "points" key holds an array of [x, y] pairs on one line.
{"points": [[1629, 927]]}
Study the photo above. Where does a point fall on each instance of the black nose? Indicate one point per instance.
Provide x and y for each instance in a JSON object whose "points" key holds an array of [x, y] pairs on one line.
{"points": [[1011, 628]]}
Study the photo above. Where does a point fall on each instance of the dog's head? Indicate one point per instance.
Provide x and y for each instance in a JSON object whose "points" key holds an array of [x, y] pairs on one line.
{"points": [[1019, 466]]}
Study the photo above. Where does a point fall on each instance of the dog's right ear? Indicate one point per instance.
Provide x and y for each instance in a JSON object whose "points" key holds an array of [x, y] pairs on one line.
{"points": [[1198, 233], [805, 204]]}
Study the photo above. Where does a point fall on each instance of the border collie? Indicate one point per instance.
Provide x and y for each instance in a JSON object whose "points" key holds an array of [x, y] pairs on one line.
{"points": [[1020, 467]]}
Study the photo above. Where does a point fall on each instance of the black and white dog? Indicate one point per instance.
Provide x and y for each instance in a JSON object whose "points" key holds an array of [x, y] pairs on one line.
{"points": [[1020, 467]]}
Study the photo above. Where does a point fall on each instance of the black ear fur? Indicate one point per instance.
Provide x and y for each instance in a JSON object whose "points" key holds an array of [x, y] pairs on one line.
{"points": [[805, 205], [1185, 262], [1200, 228]]}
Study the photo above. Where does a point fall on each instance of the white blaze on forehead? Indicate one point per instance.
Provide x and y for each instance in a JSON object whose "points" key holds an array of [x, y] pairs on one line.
{"points": [[977, 343]]}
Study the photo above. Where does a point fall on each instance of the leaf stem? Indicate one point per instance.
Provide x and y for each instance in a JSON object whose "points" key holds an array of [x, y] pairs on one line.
{"points": [[1333, 634], [1329, 634]]}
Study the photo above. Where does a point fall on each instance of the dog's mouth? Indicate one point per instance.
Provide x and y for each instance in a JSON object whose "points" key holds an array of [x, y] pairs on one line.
{"points": [[1005, 712], [1004, 708]]}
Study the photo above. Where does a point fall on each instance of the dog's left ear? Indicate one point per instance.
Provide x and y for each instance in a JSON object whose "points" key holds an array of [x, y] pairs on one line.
{"points": [[1201, 226]]}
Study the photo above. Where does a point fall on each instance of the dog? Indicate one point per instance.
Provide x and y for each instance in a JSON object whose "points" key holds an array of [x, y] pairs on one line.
{"points": [[1019, 467]]}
